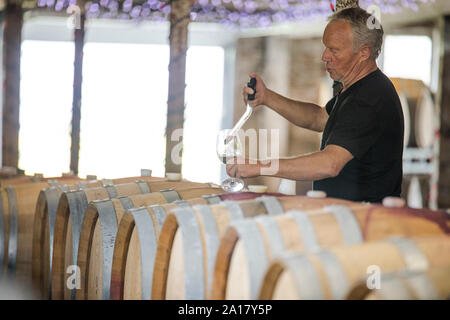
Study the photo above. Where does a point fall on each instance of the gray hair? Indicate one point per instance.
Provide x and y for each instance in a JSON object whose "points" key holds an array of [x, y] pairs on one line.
{"points": [[362, 34]]}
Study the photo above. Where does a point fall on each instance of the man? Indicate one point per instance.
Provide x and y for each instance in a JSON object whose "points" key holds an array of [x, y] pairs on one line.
{"points": [[360, 157]]}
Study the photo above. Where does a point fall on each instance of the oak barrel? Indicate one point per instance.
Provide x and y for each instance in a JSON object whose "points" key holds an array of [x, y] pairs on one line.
{"points": [[17, 205], [430, 284], [329, 273], [8, 205], [421, 112]]}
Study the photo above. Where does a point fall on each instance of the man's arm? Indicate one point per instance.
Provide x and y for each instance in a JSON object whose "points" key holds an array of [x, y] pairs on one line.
{"points": [[303, 114], [327, 163]]}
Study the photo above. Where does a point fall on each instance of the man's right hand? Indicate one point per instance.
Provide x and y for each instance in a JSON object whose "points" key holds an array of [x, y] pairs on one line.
{"points": [[261, 92]]}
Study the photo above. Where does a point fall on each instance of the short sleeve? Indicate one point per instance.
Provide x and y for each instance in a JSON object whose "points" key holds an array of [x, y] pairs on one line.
{"points": [[357, 127]]}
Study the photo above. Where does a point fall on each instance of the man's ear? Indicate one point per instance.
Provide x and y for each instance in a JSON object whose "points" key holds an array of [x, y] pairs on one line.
{"points": [[365, 52]]}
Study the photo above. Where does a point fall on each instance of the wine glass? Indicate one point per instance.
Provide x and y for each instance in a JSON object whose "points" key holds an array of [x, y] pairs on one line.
{"points": [[229, 147]]}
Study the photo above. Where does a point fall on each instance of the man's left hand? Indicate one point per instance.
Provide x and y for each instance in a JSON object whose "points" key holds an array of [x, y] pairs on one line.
{"points": [[243, 168]]}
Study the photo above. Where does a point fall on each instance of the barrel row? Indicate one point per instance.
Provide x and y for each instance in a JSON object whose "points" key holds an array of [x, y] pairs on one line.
{"points": [[246, 245], [336, 273], [61, 252], [24, 179], [186, 250], [100, 213], [140, 229], [181, 237], [18, 203], [257, 241], [47, 206], [28, 187], [99, 227]]}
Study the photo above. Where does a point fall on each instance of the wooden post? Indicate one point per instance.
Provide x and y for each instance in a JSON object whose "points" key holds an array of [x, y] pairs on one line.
{"points": [[12, 38], [179, 21], [77, 84], [342, 4], [2, 20], [444, 151]]}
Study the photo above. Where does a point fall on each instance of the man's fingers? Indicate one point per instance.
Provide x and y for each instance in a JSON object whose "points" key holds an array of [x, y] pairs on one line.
{"points": [[254, 75], [231, 170], [253, 103], [248, 90], [245, 95]]}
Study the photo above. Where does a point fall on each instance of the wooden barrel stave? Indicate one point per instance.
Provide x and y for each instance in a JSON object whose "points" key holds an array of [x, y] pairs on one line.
{"points": [[4, 232], [44, 222]]}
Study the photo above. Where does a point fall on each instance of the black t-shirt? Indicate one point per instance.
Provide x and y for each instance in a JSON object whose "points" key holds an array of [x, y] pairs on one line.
{"points": [[366, 120]]}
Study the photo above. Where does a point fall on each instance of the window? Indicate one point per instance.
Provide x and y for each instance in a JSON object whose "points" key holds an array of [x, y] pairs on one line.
{"points": [[408, 57], [123, 110], [124, 107], [46, 92], [203, 114]]}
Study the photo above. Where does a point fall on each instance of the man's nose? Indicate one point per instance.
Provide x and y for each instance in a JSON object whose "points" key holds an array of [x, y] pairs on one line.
{"points": [[325, 56]]}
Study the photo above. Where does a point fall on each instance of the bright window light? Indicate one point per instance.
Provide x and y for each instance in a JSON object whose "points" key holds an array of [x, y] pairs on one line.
{"points": [[408, 57], [124, 107], [46, 91], [203, 114], [123, 110]]}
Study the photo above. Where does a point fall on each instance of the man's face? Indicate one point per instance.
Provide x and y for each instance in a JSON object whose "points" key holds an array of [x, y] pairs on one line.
{"points": [[339, 53]]}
